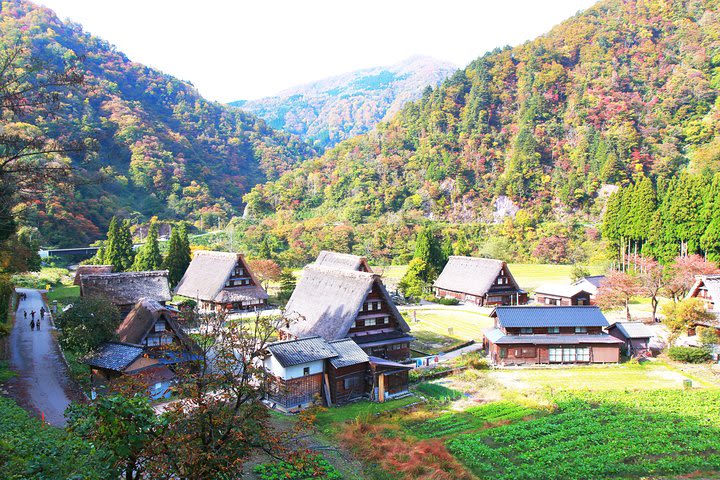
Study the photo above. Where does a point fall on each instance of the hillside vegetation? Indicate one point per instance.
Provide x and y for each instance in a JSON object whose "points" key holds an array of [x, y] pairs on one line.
{"points": [[337, 108], [623, 89], [151, 145]]}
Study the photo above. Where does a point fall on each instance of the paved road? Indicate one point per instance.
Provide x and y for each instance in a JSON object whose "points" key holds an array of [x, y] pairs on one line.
{"points": [[42, 384]]}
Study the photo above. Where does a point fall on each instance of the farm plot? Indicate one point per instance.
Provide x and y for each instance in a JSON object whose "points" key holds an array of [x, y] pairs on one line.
{"points": [[473, 418], [601, 435]]}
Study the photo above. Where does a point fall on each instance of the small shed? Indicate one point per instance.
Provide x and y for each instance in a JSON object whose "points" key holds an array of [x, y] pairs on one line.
{"points": [[636, 336], [564, 295]]}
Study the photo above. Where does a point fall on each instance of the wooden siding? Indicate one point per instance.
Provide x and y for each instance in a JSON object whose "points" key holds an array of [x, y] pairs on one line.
{"points": [[348, 383], [297, 392], [523, 354]]}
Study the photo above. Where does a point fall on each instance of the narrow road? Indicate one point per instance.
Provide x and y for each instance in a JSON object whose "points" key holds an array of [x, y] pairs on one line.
{"points": [[42, 383]]}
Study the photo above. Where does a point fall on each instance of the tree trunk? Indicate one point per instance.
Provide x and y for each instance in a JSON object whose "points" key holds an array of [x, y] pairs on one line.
{"points": [[654, 303], [627, 309]]}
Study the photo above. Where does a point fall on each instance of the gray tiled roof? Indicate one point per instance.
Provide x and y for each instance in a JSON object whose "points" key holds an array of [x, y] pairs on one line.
{"points": [[114, 356], [633, 329], [304, 350], [549, 316], [496, 336], [349, 353]]}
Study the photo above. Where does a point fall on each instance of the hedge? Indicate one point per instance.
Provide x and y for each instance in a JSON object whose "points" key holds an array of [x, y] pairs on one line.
{"points": [[690, 354]]}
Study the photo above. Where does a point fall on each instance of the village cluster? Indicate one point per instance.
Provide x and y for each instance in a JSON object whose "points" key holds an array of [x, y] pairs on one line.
{"points": [[347, 339]]}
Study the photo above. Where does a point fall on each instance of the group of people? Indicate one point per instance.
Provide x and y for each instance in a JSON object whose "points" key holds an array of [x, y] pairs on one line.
{"points": [[35, 323]]}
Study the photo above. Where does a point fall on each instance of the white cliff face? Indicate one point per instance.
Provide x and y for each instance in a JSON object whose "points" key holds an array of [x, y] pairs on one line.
{"points": [[504, 207]]}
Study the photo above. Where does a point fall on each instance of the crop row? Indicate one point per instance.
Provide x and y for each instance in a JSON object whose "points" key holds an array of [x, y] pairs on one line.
{"points": [[600, 435]]}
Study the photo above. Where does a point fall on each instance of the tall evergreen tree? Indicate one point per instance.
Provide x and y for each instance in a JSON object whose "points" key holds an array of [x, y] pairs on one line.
{"points": [[287, 285], [642, 208], [148, 256], [264, 251], [175, 262], [112, 254], [428, 249], [185, 252], [125, 245]]}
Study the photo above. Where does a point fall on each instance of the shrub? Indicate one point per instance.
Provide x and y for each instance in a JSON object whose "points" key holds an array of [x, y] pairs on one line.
{"points": [[690, 354], [445, 301], [298, 467], [473, 360]]}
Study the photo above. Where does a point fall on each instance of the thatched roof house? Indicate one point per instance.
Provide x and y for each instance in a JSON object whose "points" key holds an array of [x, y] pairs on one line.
{"points": [[91, 270], [482, 281], [127, 288], [342, 261], [338, 303], [151, 324], [221, 280]]}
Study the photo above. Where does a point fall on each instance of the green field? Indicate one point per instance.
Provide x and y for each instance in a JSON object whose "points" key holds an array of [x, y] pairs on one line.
{"points": [[602, 435], [528, 275], [439, 328], [610, 377], [63, 293]]}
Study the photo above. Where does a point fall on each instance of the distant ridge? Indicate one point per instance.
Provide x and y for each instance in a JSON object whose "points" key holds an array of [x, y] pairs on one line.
{"points": [[333, 109]]}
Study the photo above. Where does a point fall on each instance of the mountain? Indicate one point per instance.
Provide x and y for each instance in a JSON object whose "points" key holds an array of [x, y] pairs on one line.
{"points": [[337, 108], [154, 146], [622, 90]]}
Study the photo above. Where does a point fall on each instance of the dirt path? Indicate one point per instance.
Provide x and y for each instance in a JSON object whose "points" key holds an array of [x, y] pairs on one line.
{"points": [[42, 383]]}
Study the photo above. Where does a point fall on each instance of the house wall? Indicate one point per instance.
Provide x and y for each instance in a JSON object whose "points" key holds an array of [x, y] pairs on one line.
{"points": [[562, 301], [389, 351], [295, 371], [523, 354], [297, 393], [348, 383], [563, 330]]}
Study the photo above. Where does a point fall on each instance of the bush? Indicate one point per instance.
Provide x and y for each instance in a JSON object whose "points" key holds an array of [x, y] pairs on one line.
{"points": [[31, 450], [472, 360], [445, 301], [690, 354], [299, 467]]}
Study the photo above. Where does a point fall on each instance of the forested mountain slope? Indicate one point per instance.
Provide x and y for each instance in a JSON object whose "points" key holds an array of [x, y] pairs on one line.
{"points": [[621, 89], [334, 109], [153, 145]]}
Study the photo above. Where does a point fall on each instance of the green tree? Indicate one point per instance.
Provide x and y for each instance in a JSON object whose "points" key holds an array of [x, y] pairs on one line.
{"points": [[428, 249], [119, 245], [90, 322], [683, 314], [264, 252], [413, 283], [178, 258], [148, 256], [287, 285], [125, 426]]}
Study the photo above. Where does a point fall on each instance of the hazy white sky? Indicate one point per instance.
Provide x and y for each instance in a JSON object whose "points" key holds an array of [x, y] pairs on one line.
{"points": [[243, 49]]}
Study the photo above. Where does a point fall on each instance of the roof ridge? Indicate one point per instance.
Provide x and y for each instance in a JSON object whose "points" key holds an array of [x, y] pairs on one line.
{"points": [[147, 273], [280, 342], [342, 271]]}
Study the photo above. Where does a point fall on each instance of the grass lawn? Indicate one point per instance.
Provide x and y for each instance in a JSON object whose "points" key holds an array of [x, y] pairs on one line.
{"points": [[331, 419], [64, 294], [433, 324], [611, 377]]}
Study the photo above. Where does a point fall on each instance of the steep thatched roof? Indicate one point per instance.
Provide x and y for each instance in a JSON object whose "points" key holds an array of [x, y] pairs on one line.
{"points": [[127, 288], [471, 275], [343, 261], [207, 275], [91, 270], [327, 301], [141, 319]]}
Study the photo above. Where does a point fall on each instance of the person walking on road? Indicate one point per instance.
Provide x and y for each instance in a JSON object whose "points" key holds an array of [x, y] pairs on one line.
{"points": [[32, 324], [25, 313], [42, 312], [38, 323], [32, 314]]}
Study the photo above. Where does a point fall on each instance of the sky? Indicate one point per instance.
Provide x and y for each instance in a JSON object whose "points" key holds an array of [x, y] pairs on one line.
{"points": [[240, 49]]}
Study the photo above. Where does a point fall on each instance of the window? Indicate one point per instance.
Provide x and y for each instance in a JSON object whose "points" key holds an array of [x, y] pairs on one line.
{"points": [[526, 330], [352, 383], [369, 306], [370, 322], [503, 352], [160, 326], [384, 320], [582, 354], [306, 371], [553, 329], [580, 329], [555, 354], [568, 355]]}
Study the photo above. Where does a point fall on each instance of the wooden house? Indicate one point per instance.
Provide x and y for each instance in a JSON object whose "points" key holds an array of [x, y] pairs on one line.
{"points": [[707, 289], [480, 281], [564, 295], [126, 289], [635, 336], [590, 284], [150, 344], [221, 280], [312, 370], [336, 303], [555, 335], [91, 270]]}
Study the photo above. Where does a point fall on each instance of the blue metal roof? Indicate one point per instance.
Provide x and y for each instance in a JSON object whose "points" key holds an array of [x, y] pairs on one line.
{"points": [[549, 316]]}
